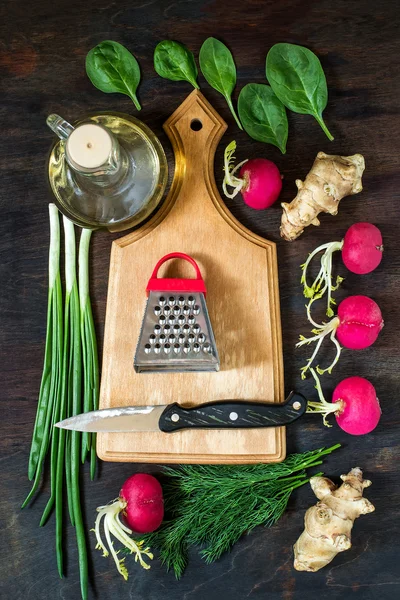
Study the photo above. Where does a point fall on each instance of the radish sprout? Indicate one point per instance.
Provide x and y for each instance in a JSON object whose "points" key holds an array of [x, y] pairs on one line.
{"points": [[230, 171], [320, 331], [113, 525], [323, 282], [323, 407]]}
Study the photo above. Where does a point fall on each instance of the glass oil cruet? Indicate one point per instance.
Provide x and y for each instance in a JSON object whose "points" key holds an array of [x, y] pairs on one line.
{"points": [[108, 170]]}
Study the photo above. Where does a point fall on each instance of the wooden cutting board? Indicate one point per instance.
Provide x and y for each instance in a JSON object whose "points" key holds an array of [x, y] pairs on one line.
{"points": [[240, 271]]}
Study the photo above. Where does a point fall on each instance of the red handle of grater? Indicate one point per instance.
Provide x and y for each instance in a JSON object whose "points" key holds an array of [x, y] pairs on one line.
{"points": [[171, 284]]}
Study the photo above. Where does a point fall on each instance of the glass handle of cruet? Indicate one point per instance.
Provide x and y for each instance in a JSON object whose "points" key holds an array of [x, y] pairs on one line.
{"points": [[60, 126]]}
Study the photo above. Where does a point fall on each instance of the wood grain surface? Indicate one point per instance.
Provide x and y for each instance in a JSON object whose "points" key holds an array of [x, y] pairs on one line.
{"points": [[42, 52], [241, 274]]}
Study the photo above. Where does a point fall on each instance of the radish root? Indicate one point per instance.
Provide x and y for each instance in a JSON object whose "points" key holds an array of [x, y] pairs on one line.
{"points": [[112, 525], [322, 284], [331, 178], [230, 179], [323, 407], [320, 331]]}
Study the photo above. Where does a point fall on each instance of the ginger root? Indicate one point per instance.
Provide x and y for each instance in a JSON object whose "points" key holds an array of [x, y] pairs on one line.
{"points": [[331, 178], [328, 524]]}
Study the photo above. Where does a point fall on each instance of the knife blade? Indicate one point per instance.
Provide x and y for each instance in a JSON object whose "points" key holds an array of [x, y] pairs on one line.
{"points": [[221, 414]]}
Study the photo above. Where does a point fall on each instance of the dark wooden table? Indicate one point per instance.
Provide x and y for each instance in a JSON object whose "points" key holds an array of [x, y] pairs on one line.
{"points": [[42, 56]]}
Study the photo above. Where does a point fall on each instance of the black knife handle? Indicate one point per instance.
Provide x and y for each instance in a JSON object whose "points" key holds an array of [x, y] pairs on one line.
{"points": [[233, 414]]}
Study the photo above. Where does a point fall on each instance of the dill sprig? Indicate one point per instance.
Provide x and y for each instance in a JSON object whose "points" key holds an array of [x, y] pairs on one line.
{"points": [[214, 505]]}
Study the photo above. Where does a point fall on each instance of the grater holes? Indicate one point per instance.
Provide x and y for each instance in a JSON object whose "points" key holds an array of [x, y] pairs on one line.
{"points": [[207, 348], [186, 310], [157, 348], [171, 338], [157, 310], [192, 320], [162, 320], [177, 348], [196, 347], [181, 338], [171, 300], [196, 328], [191, 300], [171, 320], [152, 338], [176, 329], [191, 338], [167, 310], [161, 301], [147, 348], [182, 320], [181, 301], [167, 329], [157, 329], [167, 348], [186, 329], [176, 310], [186, 348], [196, 309], [162, 339], [201, 338]]}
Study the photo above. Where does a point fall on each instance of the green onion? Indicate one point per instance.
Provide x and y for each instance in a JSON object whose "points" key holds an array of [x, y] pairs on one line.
{"points": [[50, 388], [89, 349], [75, 392]]}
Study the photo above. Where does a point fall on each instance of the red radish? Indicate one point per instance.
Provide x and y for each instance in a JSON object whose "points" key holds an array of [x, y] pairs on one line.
{"points": [[360, 322], [354, 404], [361, 253], [141, 502], [362, 248], [144, 509], [360, 410], [357, 325], [260, 181]]}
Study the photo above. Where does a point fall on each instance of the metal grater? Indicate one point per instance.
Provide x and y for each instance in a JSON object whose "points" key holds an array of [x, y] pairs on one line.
{"points": [[176, 333]]}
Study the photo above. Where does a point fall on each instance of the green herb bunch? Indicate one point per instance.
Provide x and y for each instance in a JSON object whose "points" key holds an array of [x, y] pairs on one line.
{"points": [[214, 505]]}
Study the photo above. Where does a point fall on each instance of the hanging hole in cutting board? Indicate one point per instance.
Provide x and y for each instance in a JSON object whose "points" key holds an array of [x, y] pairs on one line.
{"points": [[196, 125]]}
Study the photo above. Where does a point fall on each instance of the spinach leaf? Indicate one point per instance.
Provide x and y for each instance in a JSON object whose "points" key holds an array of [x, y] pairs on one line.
{"points": [[174, 61], [263, 116], [297, 78], [218, 67], [112, 68]]}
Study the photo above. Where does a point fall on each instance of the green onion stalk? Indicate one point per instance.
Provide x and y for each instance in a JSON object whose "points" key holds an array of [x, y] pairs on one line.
{"points": [[89, 349], [74, 398], [50, 388]]}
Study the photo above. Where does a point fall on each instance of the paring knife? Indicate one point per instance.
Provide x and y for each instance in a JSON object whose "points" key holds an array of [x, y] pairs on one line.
{"points": [[223, 414]]}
